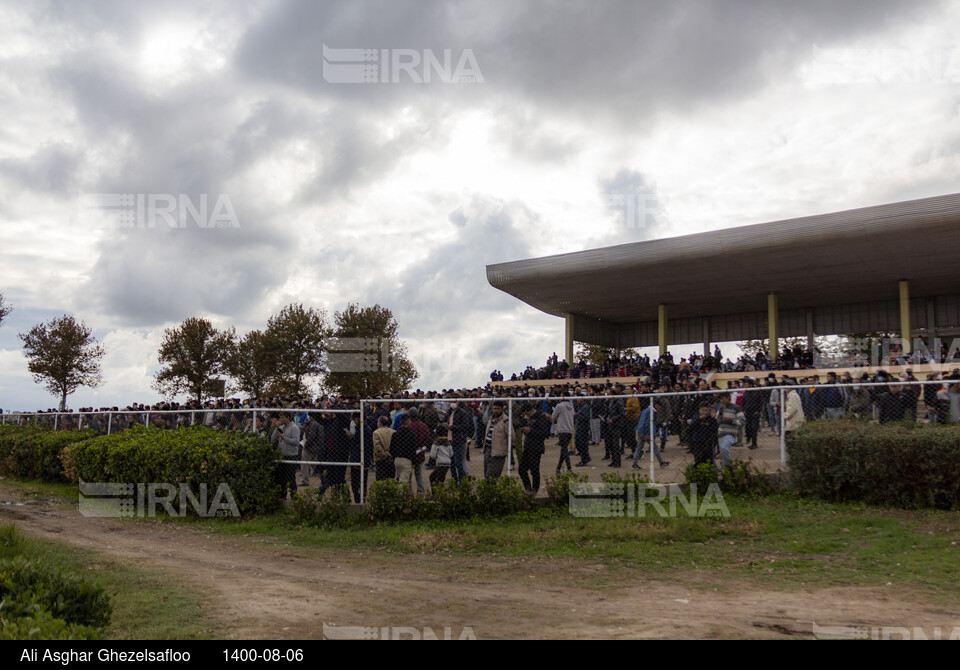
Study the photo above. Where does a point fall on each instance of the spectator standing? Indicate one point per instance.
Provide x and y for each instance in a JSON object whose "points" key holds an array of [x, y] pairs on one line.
{"points": [[382, 460], [495, 442], [562, 417], [422, 439], [536, 430], [581, 421], [729, 418], [403, 448]]}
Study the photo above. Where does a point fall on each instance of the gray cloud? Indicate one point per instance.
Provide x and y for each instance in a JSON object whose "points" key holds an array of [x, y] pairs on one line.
{"points": [[565, 82], [51, 169], [634, 205], [435, 295], [153, 276], [611, 61]]}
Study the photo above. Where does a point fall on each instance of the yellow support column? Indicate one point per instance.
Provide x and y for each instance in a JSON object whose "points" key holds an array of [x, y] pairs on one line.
{"points": [[773, 324], [568, 341], [662, 328], [905, 330]]}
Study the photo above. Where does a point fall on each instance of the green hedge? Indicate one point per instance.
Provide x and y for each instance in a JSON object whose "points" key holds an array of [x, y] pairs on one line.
{"points": [[34, 452], [389, 501], [740, 478], [192, 456], [38, 602], [28, 589], [901, 465]]}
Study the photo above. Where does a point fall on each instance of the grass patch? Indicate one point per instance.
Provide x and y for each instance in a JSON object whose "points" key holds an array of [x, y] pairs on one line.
{"points": [[780, 539], [34, 490], [147, 604]]}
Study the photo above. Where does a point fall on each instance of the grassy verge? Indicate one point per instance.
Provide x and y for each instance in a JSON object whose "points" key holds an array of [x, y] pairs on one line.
{"points": [[36, 490], [147, 604], [781, 541], [778, 540]]}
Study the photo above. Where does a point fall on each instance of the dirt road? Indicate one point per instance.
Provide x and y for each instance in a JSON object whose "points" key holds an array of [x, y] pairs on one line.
{"points": [[256, 588]]}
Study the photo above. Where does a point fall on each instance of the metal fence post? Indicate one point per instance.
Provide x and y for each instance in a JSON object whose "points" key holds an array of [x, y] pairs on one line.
{"points": [[783, 428], [146, 421], [653, 475], [109, 421], [509, 434], [55, 416], [363, 463], [80, 421]]}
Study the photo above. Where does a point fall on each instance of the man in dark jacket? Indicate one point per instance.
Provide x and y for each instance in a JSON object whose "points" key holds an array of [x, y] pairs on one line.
{"points": [[337, 428], [423, 439], [753, 403], [313, 447], [581, 425], [834, 399], [403, 448], [430, 417], [536, 430], [355, 455], [614, 424], [895, 404], [459, 428]]}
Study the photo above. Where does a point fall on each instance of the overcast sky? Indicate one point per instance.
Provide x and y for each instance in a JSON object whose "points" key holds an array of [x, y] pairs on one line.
{"points": [[543, 119]]}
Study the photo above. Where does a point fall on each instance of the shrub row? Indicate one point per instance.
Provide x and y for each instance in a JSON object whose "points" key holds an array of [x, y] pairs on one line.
{"points": [[192, 456], [38, 602], [899, 465], [391, 501], [33, 452], [740, 478]]}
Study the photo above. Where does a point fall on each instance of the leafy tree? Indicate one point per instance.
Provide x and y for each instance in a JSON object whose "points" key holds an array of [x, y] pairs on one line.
{"points": [[252, 363], [63, 355], [594, 354], [754, 347], [4, 310], [193, 356], [383, 365], [296, 334]]}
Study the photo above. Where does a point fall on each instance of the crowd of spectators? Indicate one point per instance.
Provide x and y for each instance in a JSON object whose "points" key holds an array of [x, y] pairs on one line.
{"points": [[404, 434], [631, 364]]}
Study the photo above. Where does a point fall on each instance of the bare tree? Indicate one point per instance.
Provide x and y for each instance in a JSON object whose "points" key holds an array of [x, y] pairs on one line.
{"points": [[63, 355], [4, 309]]}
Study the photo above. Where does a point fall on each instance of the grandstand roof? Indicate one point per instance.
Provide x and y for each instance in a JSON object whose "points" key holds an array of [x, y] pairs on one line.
{"points": [[838, 258]]}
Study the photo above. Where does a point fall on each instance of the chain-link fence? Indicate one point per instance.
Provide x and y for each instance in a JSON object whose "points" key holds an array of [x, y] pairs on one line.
{"points": [[658, 431]]}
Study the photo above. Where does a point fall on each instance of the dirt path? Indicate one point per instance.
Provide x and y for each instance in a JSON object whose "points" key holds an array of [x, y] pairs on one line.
{"points": [[260, 589]]}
